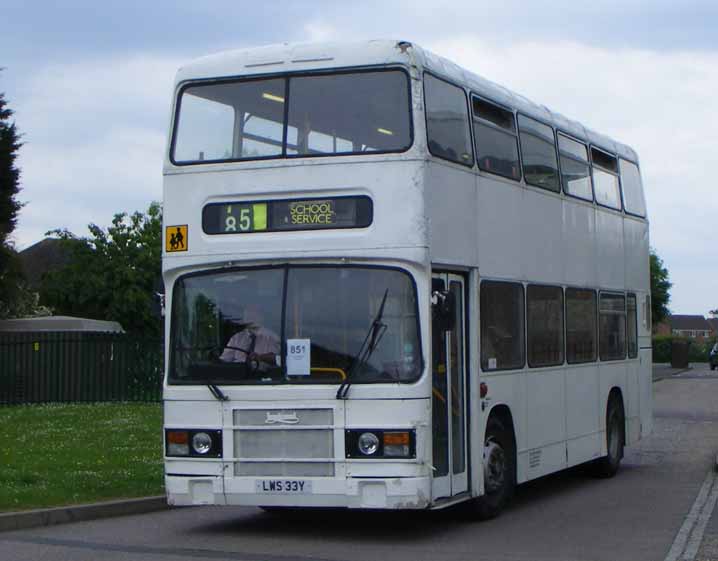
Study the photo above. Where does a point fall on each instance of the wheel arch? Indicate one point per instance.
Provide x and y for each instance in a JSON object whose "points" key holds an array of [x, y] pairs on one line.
{"points": [[616, 394], [503, 413]]}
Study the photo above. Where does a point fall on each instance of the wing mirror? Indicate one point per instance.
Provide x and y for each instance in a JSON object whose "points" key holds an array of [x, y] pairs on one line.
{"points": [[443, 309]]}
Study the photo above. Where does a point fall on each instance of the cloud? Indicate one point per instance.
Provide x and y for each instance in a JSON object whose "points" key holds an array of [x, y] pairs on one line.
{"points": [[663, 104], [94, 135], [320, 31]]}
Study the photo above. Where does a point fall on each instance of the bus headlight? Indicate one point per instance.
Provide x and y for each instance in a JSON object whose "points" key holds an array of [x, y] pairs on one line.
{"points": [[193, 443], [380, 443], [368, 443], [201, 443]]}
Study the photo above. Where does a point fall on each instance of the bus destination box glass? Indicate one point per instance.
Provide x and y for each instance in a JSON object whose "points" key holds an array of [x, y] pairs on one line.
{"points": [[284, 215]]}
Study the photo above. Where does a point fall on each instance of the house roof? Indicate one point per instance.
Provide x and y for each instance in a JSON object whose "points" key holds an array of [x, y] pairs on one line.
{"points": [[713, 323], [60, 323], [689, 322], [44, 256]]}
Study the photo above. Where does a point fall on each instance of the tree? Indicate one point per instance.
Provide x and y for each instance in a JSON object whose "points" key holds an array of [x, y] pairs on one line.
{"points": [[660, 289], [11, 278], [112, 274]]}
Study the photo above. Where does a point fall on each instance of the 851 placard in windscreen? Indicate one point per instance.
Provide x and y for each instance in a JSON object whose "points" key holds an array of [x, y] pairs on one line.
{"points": [[286, 215]]}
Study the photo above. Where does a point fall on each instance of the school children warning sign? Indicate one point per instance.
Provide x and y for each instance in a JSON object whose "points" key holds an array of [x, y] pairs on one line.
{"points": [[176, 238]]}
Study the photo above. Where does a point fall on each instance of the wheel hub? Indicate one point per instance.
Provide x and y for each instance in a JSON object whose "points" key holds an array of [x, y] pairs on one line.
{"points": [[494, 466]]}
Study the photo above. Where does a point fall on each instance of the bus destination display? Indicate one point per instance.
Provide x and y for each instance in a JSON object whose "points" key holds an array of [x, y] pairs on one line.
{"points": [[286, 215]]}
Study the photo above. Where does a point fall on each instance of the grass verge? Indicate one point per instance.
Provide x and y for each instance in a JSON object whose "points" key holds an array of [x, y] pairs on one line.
{"points": [[62, 454]]}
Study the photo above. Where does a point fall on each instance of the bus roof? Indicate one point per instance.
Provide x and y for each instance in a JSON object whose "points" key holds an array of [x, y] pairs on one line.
{"points": [[299, 57]]}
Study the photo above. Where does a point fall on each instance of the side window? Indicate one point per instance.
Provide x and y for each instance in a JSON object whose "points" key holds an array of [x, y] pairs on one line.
{"points": [[632, 321], [575, 172], [502, 325], [632, 188], [497, 149], [447, 121], [612, 327], [544, 322], [538, 153], [605, 179], [581, 336]]}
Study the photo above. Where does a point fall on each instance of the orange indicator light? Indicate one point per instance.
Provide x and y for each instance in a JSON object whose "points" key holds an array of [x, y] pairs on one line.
{"points": [[396, 438], [177, 437]]}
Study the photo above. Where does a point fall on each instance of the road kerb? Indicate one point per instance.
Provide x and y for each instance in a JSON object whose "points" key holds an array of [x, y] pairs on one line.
{"points": [[76, 513]]}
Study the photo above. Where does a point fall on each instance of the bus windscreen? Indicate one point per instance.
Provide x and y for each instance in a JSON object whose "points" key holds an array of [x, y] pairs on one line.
{"points": [[296, 325], [293, 116]]}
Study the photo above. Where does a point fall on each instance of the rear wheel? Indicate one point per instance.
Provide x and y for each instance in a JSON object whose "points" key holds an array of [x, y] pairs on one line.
{"points": [[615, 440], [499, 470]]}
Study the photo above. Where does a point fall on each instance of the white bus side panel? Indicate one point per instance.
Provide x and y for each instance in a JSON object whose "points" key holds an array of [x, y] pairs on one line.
{"points": [[582, 413], [542, 258], [579, 249], [451, 214], [610, 268], [546, 422]]}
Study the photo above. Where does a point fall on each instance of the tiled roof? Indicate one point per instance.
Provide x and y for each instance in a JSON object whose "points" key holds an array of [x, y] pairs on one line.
{"points": [[689, 322]]}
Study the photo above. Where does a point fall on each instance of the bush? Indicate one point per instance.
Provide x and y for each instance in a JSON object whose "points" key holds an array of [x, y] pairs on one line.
{"points": [[662, 348], [697, 350]]}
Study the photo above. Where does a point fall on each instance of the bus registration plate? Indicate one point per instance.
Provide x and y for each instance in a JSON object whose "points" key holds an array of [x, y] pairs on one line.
{"points": [[284, 486]]}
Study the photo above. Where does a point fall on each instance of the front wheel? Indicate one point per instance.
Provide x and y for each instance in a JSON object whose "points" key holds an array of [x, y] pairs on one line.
{"points": [[499, 471], [615, 441]]}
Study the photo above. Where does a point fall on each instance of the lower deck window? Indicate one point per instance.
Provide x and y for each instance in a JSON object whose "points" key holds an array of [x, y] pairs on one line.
{"points": [[502, 325], [632, 322], [612, 326], [544, 320], [581, 333]]}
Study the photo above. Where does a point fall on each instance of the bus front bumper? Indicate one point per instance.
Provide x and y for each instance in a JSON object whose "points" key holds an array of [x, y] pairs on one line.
{"points": [[389, 493]]}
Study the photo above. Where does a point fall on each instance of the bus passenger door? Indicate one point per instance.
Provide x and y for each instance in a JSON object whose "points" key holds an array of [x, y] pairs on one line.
{"points": [[448, 388]]}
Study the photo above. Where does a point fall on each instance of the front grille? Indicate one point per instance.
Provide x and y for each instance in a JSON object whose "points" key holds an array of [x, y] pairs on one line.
{"points": [[284, 469], [286, 443], [273, 417]]}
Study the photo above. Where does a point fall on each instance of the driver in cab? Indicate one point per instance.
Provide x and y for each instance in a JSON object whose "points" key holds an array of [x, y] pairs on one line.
{"points": [[254, 343]]}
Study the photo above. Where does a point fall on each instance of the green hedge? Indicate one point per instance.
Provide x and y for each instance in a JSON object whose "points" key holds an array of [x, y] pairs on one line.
{"points": [[697, 351]]}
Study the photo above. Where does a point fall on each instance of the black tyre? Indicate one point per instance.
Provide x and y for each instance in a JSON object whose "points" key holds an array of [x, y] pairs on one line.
{"points": [[713, 366], [279, 510], [615, 440], [499, 471]]}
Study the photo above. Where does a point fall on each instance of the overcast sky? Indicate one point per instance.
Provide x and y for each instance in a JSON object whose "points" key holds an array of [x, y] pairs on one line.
{"points": [[90, 83]]}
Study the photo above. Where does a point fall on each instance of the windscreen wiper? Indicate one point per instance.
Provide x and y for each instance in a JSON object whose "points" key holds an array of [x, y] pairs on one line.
{"points": [[216, 392], [371, 341]]}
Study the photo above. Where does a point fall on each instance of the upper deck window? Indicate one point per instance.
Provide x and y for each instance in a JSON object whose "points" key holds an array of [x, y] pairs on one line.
{"points": [[447, 121], [632, 188], [575, 173], [538, 152], [497, 148], [307, 115], [605, 179]]}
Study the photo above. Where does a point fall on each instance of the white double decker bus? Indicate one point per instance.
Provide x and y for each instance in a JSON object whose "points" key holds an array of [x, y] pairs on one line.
{"points": [[393, 284]]}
